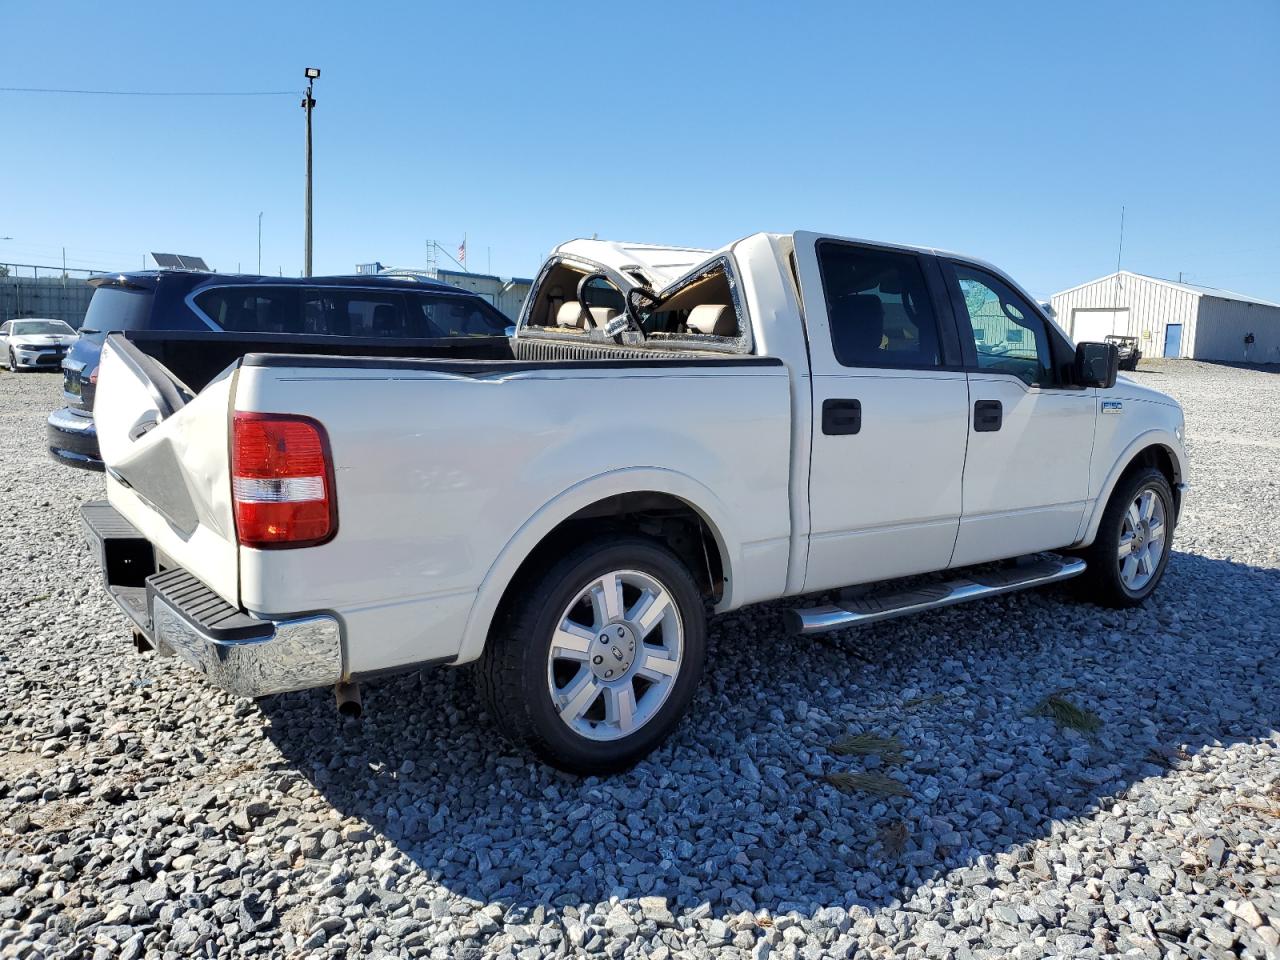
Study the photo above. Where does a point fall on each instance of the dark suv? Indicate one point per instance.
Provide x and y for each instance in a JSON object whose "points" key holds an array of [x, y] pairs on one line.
{"points": [[367, 309]]}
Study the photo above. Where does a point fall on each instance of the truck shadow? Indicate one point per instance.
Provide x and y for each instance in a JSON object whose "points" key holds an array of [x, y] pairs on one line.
{"points": [[735, 809]]}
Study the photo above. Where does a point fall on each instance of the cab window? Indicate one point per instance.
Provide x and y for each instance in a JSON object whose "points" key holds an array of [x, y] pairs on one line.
{"points": [[878, 307], [1008, 335]]}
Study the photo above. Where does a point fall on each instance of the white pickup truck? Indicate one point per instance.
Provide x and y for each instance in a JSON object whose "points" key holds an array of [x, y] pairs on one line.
{"points": [[668, 429]]}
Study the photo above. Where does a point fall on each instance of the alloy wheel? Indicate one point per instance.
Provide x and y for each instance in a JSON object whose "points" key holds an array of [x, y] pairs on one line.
{"points": [[1142, 540], [615, 656]]}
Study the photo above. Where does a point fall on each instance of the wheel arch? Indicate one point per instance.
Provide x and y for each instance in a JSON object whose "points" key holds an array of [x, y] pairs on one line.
{"points": [[615, 500], [1155, 448]]}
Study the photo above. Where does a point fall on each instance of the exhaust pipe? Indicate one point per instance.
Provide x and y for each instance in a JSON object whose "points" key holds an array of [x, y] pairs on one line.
{"points": [[348, 698]]}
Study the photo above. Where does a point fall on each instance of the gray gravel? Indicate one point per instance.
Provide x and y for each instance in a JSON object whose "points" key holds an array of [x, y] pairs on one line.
{"points": [[145, 814]]}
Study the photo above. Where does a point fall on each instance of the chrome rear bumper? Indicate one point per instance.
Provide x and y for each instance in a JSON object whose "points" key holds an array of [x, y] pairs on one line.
{"points": [[245, 655], [293, 655]]}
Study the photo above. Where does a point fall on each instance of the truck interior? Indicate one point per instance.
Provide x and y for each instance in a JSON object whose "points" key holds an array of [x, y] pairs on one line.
{"points": [[700, 311]]}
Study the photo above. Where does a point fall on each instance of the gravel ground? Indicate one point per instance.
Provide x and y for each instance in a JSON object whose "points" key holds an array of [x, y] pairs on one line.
{"points": [[145, 814]]}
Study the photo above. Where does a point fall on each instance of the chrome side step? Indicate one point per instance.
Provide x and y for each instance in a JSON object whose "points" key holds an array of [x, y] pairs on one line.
{"points": [[972, 586]]}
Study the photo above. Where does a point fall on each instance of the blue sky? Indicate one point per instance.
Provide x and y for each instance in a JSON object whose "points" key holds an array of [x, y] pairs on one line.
{"points": [[1012, 131]]}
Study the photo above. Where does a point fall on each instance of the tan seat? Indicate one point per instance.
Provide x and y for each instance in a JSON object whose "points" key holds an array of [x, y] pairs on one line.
{"points": [[555, 299], [713, 319], [571, 314]]}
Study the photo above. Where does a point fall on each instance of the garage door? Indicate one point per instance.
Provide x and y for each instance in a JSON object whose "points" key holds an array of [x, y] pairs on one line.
{"points": [[1095, 324]]}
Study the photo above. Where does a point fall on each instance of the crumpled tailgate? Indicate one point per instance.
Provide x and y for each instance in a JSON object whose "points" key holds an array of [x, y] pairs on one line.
{"points": [[167, 463]]}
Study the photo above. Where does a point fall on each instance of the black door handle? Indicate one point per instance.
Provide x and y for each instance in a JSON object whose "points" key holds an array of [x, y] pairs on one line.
{"points": [[988, 415], [841, 416]]}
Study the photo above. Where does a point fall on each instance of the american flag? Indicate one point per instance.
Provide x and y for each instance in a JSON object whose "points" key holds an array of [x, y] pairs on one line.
{"points": [[462, 252]]}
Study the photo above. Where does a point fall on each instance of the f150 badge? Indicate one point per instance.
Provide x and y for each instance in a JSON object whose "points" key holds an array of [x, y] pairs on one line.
{"points": [[1113, 406]]}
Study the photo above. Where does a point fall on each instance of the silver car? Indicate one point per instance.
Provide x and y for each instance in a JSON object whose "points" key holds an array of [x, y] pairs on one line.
{"points": [[32, 344]]}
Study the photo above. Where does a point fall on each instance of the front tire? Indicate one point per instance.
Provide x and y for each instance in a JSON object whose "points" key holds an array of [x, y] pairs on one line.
{"points": [[1127, 559], [13, 362], [599, 656]]}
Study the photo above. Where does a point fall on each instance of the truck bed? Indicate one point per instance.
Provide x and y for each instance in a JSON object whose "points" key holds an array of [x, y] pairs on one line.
{"points": [[449, 460], [195, 358]]}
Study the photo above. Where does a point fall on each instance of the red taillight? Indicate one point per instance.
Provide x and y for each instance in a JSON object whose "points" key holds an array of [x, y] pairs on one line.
{"points": [[282, 481]]}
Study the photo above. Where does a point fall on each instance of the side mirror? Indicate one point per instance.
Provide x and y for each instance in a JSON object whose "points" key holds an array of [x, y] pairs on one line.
{"points": [[1097, 364]]}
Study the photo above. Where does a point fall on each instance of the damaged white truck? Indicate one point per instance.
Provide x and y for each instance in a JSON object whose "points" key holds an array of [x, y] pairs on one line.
{"points": [[668, 431]]}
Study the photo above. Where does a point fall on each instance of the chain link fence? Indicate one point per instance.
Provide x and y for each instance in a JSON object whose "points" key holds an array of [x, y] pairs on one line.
{"points": [[31, 290]]}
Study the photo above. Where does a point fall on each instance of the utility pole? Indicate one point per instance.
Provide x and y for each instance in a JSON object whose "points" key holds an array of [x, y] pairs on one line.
{"points": [[308, 104], [259, 243]]}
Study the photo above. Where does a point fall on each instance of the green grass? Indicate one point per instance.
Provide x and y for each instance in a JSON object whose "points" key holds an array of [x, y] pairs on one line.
{"points": [[876, 784], [1066, 714]]}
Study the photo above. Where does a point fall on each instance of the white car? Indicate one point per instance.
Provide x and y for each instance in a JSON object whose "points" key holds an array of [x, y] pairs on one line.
{"points": [[35, 343], [783, 417]]}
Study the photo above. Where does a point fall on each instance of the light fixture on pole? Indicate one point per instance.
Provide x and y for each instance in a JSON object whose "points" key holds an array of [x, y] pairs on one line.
{"points": [[308, 104], [259, 243]]}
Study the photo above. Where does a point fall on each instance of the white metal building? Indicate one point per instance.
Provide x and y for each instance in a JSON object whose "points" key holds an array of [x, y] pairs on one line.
{"points": [[1172, 319]]}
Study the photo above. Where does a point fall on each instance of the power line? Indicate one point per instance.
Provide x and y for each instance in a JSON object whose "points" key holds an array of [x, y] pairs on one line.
{"points": [[155, 93]]}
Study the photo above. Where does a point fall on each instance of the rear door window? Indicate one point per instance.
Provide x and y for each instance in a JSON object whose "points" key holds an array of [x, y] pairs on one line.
{"points": [[252, 309], [878, 308], [437, 315], [353, 313]]}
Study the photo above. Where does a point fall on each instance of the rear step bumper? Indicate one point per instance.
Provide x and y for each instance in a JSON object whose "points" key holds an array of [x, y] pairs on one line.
{"points": [[973, 586], [244, 655]]}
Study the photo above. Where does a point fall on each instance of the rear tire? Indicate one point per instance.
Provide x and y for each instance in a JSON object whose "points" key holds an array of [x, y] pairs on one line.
{"points": [[1127, 559], [598, 657]]}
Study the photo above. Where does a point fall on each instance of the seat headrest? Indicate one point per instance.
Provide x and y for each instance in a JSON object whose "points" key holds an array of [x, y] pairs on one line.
{"points": [[864, 306], [569, 314], [860, 322], [716, 319], [384, 318]]}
